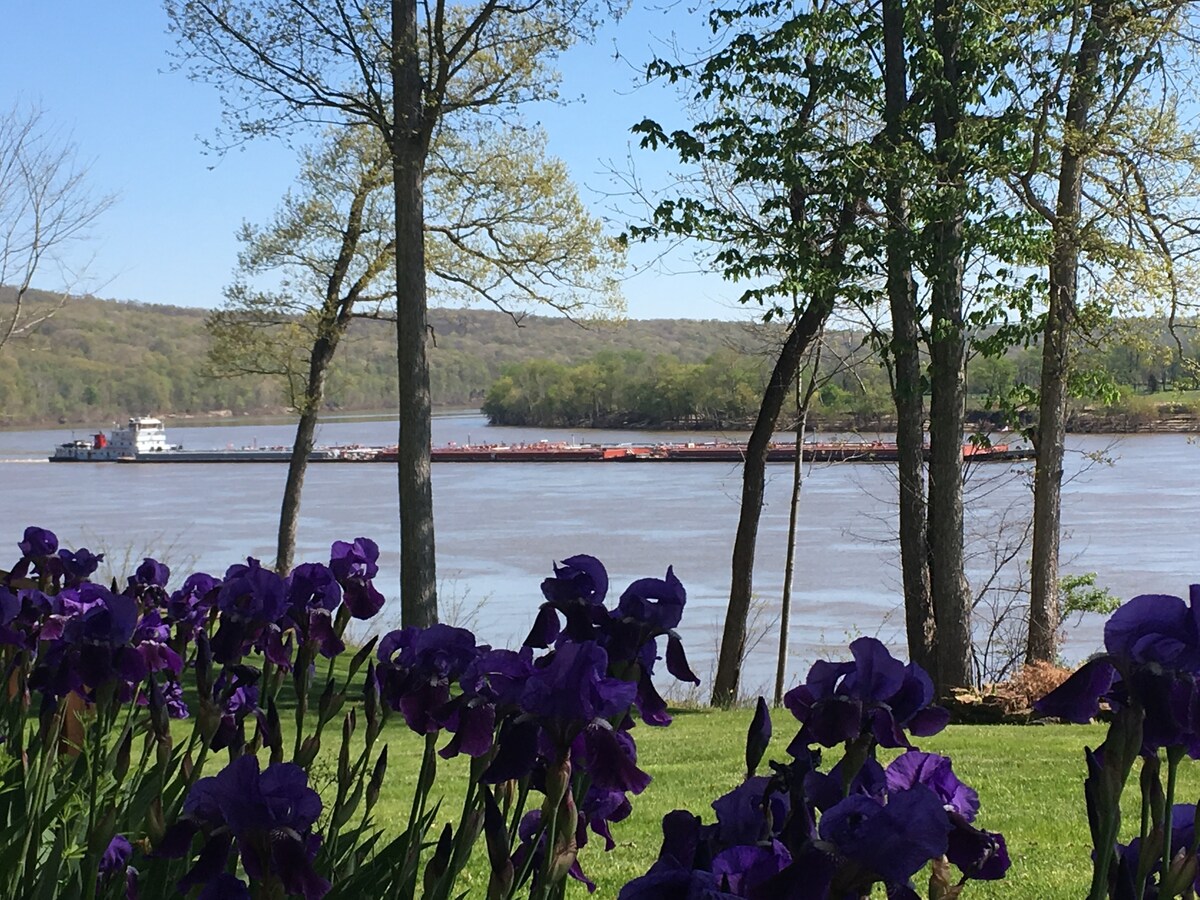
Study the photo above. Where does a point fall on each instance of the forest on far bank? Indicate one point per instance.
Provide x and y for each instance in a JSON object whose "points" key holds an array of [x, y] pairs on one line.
{"points": [[99, 360], [102, 360]]}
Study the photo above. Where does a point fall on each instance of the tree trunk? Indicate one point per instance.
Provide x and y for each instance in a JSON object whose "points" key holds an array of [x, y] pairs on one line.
{"points": [[948, 583], [1042, 644], [733, 638], [418, 574], [907, 389], [306, 429], [789, 566]]}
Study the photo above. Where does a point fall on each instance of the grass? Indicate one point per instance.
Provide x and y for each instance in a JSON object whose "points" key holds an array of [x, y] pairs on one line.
{"points": [[1161, 403], [1029, 780]]}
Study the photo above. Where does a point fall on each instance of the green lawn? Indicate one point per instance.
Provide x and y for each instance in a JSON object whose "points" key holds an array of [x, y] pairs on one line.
{"points": [[1029, 780]]}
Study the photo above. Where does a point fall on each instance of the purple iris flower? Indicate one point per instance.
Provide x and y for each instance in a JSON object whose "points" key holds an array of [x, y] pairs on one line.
{"points": [[573, 689], [657, 602], [354, 565], [491, 689], [148, 584], [188, 607], [151, 638], [598, 811], [116, 857], [875, 693], [312, 594], [92, 650], [252, 600], [354, 561], [649, 609], [683, 868], [753, 811], [1152, 658], [1183, 830], [237, 691], [10, 609], [103, 617], [79, 565], [313, 586], [173, 698], [893, 840], [825, 790], [980, 855], [416, 668], [25, 618], [577, 590], [151, 572], [497, 676], [1156, 628], [742, 869], [580, 578], [933, 771], [251, 593], [609, 757], [114, 865], [265, 817], [38, 542]]}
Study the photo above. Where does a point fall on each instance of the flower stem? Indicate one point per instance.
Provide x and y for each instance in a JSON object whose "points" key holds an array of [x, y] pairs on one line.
{"points": [[1174, 755], [424, 782]]}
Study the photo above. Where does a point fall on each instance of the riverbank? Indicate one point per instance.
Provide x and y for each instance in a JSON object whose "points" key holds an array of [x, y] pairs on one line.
{"points": [[1173, 419]]}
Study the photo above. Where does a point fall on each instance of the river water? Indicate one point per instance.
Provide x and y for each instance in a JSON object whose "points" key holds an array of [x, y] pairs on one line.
{"points": [[1132, 516]]}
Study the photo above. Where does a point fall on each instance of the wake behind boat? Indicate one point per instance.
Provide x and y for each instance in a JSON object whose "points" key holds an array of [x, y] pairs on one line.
{"points": [[144, 440]]}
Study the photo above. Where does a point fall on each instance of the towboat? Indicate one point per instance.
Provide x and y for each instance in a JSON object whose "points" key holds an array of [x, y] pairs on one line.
{"points": [[144, 440], [141, 436]]}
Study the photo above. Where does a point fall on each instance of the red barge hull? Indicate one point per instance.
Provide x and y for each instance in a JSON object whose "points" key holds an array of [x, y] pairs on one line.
{"points": [[849, 452]]}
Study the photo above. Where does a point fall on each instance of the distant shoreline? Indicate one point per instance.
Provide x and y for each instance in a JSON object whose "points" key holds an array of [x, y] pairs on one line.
{"points": [[1082, 422]]}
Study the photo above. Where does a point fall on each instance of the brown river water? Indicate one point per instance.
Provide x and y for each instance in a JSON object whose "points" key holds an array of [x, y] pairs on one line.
{"points": [[1133, 518]]}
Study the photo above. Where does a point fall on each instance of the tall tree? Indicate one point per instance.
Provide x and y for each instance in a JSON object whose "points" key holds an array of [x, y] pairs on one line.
{"points": [[1110, 47], [332, 245], [46, 208], [947, 347], [505, 225], [945, 73], [406, 70], [779, 194], [903, 348]]}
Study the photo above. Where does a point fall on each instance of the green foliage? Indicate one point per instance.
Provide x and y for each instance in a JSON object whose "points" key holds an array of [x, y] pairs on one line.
{"points": [[1079, 594], [612, 389], [106, 360]]}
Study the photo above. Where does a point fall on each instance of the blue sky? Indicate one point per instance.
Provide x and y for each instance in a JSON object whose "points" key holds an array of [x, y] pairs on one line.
{"points": [[99, 71]]}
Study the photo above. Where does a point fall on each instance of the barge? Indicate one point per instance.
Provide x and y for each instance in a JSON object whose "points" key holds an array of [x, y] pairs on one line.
{"points": [[143, 440]]}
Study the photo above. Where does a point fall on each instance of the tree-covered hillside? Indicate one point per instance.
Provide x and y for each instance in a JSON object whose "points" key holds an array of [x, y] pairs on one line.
{"points": [[99, 360]]}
